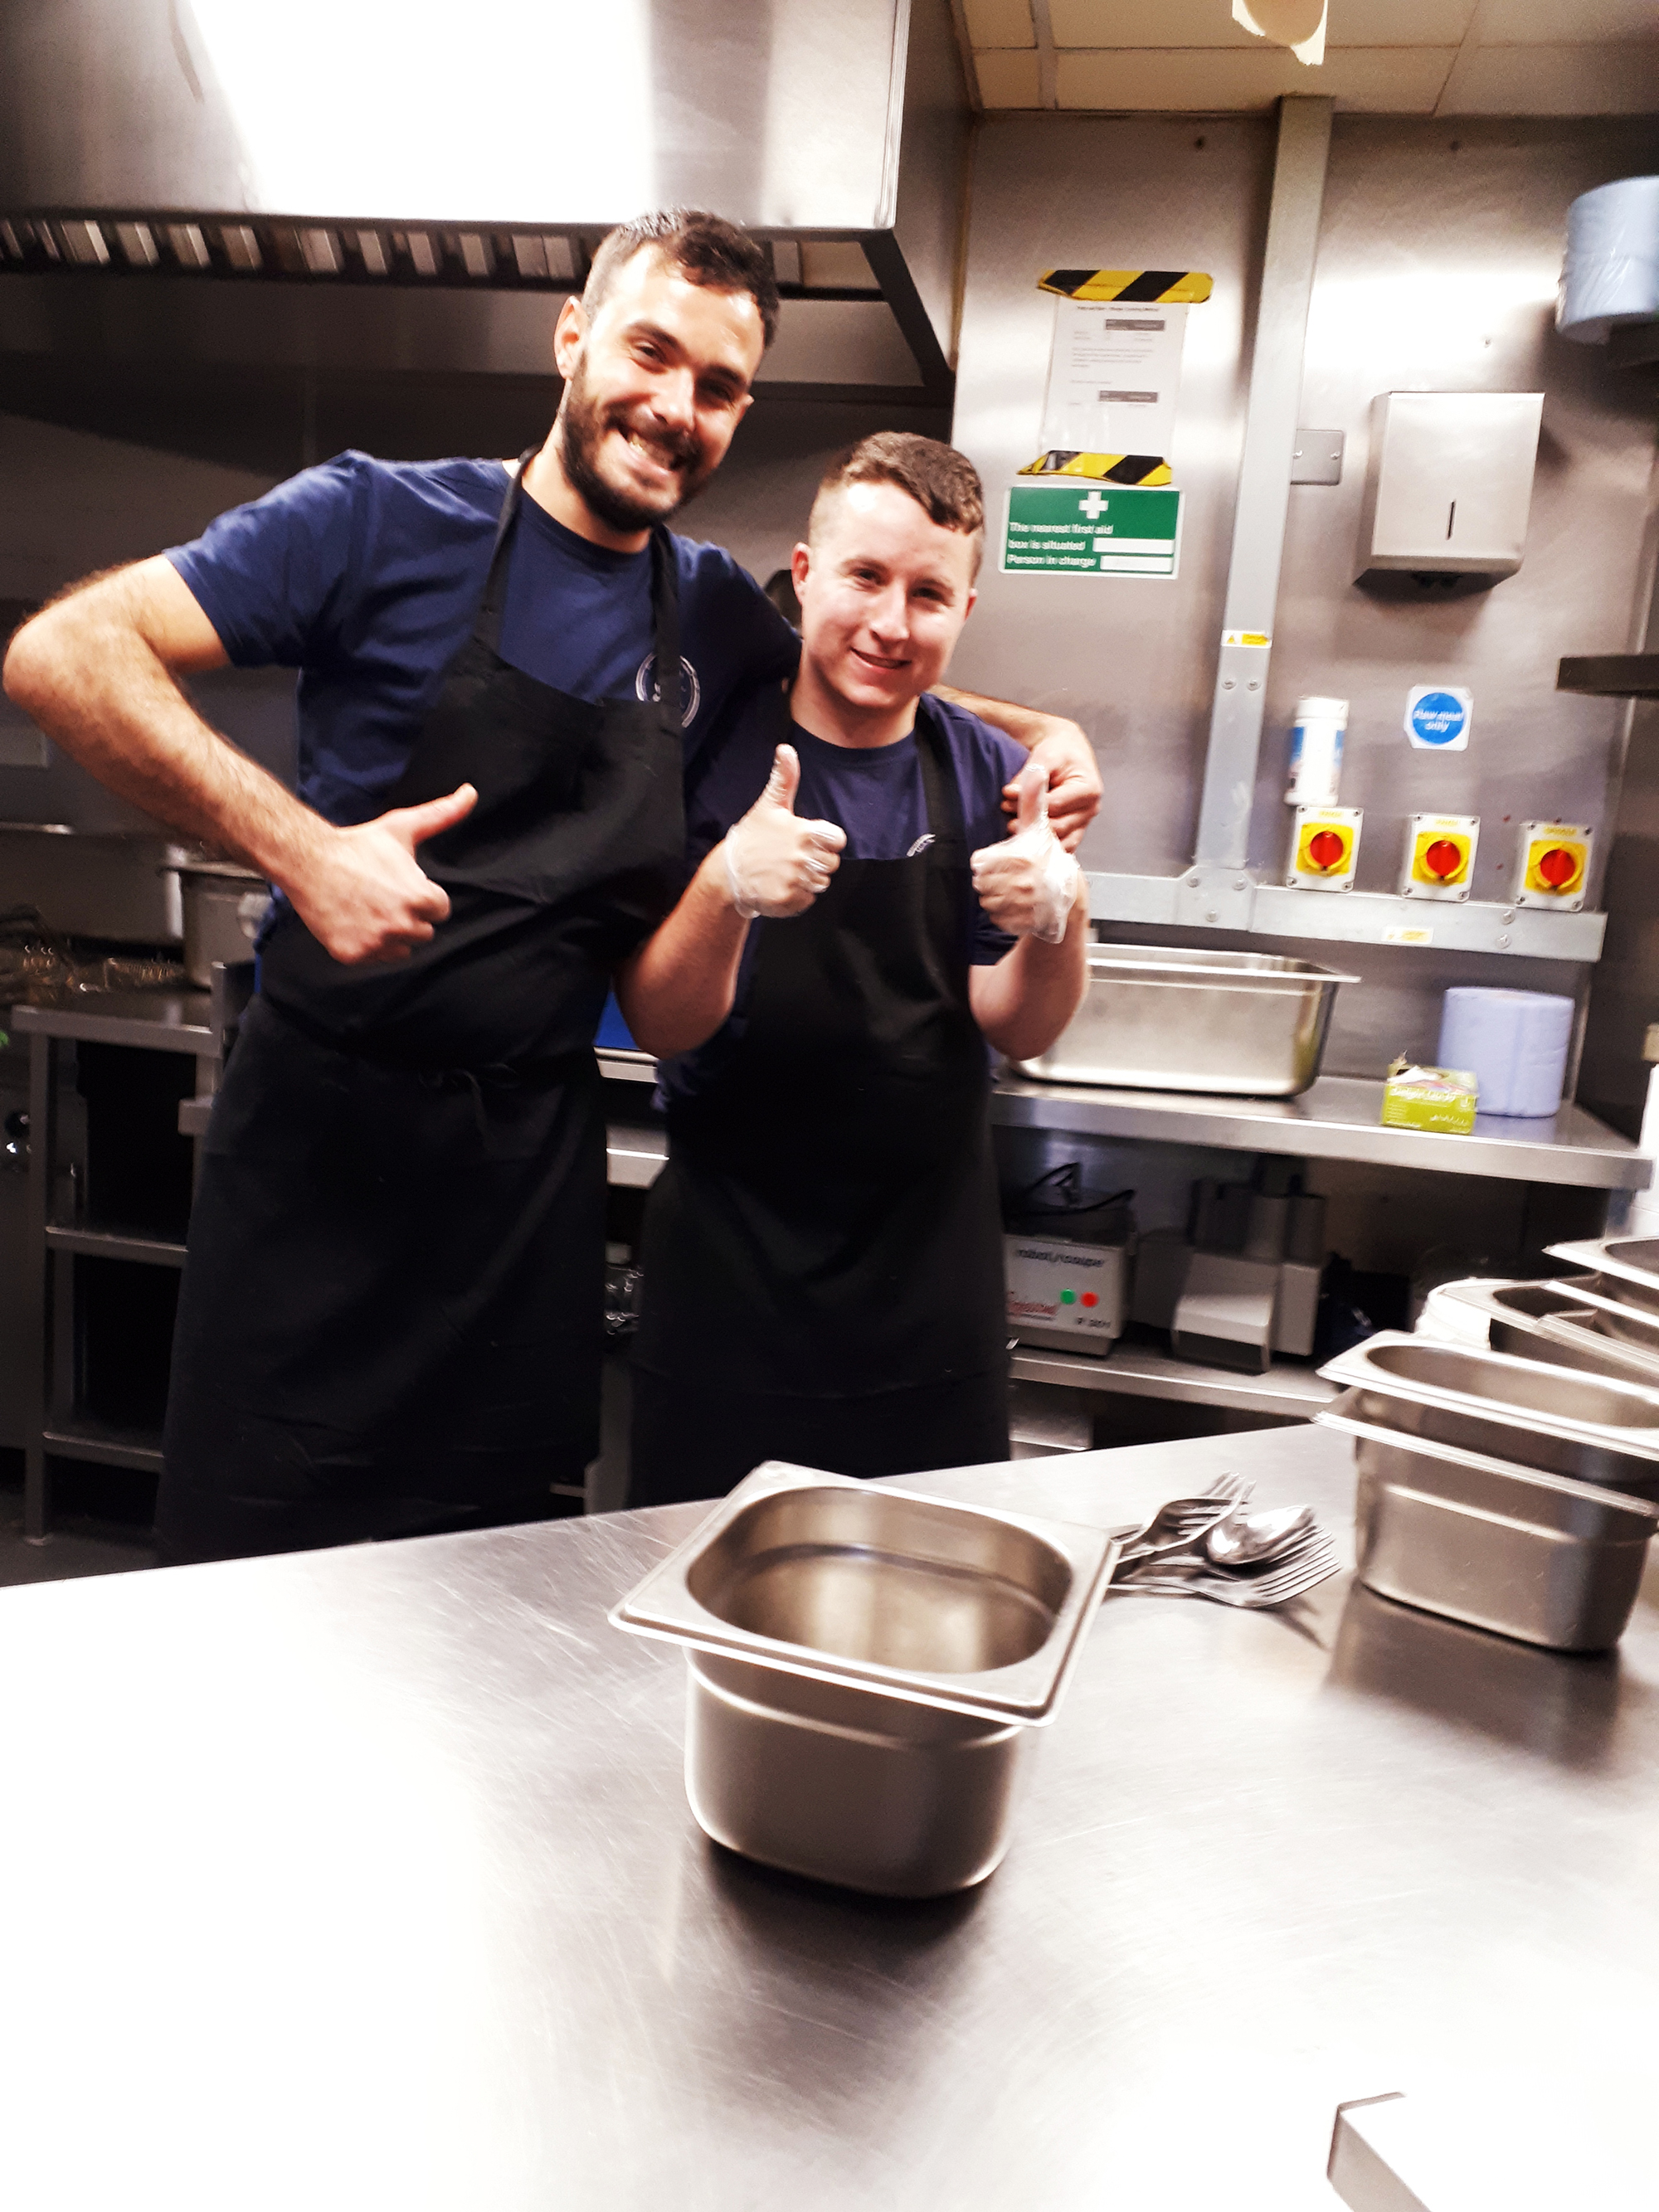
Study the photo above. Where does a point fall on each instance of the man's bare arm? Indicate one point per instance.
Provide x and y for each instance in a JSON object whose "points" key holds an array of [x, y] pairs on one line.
{"points": [[1074, 786], [97, 670]]}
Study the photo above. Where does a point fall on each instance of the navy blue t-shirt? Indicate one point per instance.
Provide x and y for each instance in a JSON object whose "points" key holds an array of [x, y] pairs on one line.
{"points": [[876, 797], [366, 575]]}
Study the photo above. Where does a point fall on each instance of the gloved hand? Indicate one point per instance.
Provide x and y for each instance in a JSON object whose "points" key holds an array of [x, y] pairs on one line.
{"points": [[1027, 886], [775, 866]]}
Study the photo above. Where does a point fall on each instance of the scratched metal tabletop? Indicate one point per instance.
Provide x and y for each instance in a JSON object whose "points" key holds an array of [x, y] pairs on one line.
{"points": [[365, 1878]]}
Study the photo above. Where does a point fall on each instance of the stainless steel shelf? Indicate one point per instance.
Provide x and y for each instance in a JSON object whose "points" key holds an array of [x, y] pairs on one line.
{"points": [[153, 1021], [116, 1244], [634, 1157], [1272, 909], [1337, 1119], [625, 1066], [106, 1444], [1138, 1370], [1611, 675]]}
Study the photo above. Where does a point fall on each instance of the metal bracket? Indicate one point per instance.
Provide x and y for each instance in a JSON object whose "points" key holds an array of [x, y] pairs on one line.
{"points": [[1215, 898]]}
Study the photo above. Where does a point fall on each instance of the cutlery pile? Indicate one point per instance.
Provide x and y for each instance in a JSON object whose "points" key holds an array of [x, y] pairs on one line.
{"points": [[1209, 1546]]}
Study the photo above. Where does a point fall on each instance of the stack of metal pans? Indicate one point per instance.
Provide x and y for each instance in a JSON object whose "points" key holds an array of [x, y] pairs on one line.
{"points": [[1515, 1493]]}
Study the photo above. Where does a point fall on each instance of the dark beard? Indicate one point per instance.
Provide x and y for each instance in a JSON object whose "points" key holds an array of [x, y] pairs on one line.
{"points": [[580, 427]]}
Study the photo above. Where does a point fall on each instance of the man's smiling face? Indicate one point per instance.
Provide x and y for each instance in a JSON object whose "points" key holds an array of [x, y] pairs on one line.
{"points": [[656, 386], [884, 591]]}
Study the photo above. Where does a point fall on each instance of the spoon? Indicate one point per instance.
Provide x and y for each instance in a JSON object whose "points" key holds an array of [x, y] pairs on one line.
{"points": [[1245, 1540]]}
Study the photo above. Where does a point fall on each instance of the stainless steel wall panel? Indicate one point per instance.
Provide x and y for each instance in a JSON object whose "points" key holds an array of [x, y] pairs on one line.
{"points": [[1133, 661], [1439, 250], [780, 113]]}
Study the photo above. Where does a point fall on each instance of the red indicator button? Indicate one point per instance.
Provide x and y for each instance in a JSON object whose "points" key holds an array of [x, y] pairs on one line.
{"points": [[1325, 849], [1558, 866], [1443, 858], [1089, 1299]]}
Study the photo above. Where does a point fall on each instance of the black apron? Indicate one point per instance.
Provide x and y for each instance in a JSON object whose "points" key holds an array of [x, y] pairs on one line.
{"points": [[828, 1224], [391, 1311]]}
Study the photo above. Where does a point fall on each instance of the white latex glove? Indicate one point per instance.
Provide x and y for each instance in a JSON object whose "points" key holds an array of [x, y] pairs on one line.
{"points": [[1027, 886], [775, 866]]}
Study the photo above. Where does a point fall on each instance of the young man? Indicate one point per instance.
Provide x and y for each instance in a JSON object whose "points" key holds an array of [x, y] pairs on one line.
{"points": [[823, 1257], [391, 1317]]}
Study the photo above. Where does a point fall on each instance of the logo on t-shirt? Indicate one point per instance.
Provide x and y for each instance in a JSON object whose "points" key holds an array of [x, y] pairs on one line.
{"points": [[920, 846], [645, 687]]}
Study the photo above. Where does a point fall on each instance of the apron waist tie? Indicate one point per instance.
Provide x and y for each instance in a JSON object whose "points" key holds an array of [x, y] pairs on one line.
{"points": [[558, 1068]]}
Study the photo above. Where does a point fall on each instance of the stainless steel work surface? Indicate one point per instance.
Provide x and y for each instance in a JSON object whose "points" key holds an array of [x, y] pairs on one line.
{"points": [[1337, 1118], [367, 1878]]}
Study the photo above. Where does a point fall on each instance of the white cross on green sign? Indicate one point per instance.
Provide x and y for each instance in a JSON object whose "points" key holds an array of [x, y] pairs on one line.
{"points": [[1072, 527]]}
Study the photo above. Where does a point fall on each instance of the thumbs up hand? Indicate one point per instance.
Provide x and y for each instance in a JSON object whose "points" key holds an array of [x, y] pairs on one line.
{"points": [[777, 866], [1029, 885]]}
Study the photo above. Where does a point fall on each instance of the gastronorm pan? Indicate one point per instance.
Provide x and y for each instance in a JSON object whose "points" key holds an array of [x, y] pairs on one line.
{"points": [[1511, 1548], [1590, 1428], [1628, 1267], [1173, 1017], [865, 1666], [1566, 1325]]}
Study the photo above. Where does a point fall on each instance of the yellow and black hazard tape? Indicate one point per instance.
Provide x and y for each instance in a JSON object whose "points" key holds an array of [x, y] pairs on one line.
{"points": [[1129, 287], [1108, 468]]}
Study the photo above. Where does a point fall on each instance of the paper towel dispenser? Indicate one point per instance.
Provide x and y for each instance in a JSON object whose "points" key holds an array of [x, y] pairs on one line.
{"points": [[1448, 483]]}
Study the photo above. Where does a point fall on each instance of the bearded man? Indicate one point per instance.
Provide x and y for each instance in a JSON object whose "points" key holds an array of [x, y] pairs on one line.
{"points": [[391, 1317]]}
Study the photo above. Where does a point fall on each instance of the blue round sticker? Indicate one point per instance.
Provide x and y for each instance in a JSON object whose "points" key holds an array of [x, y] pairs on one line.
{"points": [[1437, 718]]}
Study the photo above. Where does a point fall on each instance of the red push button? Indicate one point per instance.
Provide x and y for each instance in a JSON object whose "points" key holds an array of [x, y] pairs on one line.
{"points": [[1089, 1299]]}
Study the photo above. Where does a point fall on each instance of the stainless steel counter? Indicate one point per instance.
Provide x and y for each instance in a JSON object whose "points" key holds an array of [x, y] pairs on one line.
{"points": [[1338, 1118], [366, 1879]]}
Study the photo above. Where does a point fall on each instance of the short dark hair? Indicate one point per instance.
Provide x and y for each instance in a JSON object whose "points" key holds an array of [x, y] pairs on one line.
{"points": [[943, 483], [705, 248]]}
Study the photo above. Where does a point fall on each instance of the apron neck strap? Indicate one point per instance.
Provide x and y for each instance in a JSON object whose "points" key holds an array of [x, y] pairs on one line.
{"points": [[664, 595], [939, 785]]}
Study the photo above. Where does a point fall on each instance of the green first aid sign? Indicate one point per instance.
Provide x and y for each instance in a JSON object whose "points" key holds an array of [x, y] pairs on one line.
{"points": [[1076, 528]]}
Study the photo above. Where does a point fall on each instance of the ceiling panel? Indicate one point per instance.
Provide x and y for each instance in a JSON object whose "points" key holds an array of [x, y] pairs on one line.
{"points": [[1171, 23], [1387, 80], [1567, 22], [1397, 22], [1147, 23], [999, 23], [1008, 80], [1558, 81]]}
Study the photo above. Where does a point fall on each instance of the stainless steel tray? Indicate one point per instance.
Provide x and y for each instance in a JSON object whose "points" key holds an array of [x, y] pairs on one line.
{"points": [[1628, 1267], [1170, 1018], [1566, 1324], [865, 1666], [1480, 1539], [1588, 1427]]}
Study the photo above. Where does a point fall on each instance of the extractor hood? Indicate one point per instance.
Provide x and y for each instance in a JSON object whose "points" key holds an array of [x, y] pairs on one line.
{"points": [[425, 148]]}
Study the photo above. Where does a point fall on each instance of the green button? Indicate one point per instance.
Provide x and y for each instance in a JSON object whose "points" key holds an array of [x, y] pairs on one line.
{"points": [[1068, 1297]]}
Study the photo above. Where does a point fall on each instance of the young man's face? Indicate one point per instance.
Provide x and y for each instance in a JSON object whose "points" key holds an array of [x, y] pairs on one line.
{"points": [[655, 386], [883, 592]]}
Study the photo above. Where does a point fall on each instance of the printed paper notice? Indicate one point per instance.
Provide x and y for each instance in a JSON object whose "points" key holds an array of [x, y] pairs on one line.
{"points": [[1113, 378]]}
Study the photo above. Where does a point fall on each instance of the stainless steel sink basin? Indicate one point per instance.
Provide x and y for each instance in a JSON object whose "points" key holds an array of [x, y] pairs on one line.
{"points": [[865, 1667], [1589, 1427], [1526, 1553], [1566, 1324], [884, 1578], [1628, 1267]]}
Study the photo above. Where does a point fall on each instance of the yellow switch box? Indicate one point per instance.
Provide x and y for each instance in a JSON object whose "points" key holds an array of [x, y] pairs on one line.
{"points": [[1324, 848], [1552, 865], [1439, 856]]}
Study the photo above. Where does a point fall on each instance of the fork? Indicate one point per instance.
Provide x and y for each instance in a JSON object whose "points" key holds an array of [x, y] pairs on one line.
{"points": [[1181, 1524], [1291, 1577]]}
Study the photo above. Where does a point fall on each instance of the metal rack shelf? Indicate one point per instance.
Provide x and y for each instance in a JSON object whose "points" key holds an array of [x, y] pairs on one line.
{"points": [[1140, 1370], [105, 1443], [1337, 1119], [116, 1244]]}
